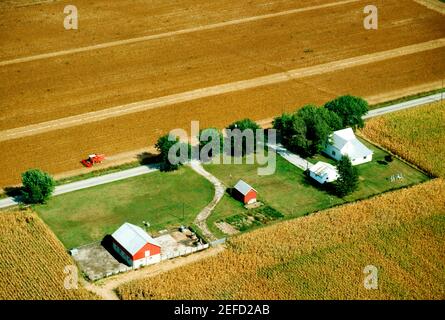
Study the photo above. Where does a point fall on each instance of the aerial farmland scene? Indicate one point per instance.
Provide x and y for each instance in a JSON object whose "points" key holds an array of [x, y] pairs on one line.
{"points": [[227, 150]]}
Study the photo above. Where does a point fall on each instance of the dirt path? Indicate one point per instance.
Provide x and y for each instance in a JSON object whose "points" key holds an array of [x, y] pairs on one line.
{"points": [[201, 218], [169, 34], [105, 288], [104, 293], [101, 115]]}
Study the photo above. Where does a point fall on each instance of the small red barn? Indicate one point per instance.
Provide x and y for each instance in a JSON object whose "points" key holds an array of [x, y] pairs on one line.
{"points": [[135, 246], [244, 193]]}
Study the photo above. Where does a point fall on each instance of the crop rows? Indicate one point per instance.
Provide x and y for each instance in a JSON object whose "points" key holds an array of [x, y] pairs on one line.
{"points": [[323, 255], [417, 135], [32, 260]]}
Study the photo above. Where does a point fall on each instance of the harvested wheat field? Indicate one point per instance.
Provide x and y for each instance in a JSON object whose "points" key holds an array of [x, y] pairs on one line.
{"points": [[323, 256], [71, 84], [135, 70], [32, 260], [417, 135]]}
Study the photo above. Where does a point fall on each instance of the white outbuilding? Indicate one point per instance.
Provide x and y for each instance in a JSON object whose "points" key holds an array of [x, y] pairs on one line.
{"points": [[323, 172], [345, 143]]}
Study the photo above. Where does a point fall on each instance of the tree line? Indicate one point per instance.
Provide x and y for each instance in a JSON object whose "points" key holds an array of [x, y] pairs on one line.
{"points": [[308, 130]]}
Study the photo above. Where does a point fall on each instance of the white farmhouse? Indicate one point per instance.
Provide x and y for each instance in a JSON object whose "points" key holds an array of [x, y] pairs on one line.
{"points": [[345, 143], [323, 172]]}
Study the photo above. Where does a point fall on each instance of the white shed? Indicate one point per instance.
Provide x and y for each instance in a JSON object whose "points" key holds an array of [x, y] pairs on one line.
{"points": [[323, 172]]}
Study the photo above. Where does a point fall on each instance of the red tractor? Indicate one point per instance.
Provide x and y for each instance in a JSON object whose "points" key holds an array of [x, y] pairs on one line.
{"points": [[92, 159]]}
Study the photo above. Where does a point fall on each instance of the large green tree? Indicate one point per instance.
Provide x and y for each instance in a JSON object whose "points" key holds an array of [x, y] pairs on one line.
{"points": [[211, 142], [318, 130], [347, 181], [241, 137], [350, 109], [307, 130], [37, 186], [172, 148]]}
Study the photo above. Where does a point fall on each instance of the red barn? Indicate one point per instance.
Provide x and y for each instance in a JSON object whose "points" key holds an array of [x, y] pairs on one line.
{"points": [[135, 246], [244, 192]]}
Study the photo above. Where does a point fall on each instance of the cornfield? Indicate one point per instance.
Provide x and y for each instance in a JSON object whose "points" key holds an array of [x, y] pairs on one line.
{"points": [[323, 256], [417, 135], [32, 260]]}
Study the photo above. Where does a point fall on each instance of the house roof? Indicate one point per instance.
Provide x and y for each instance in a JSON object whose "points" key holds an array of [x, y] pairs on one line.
{"points": [[346, 141], [243, 187], [341, 137], [132, 238], [322, 168], [355, 149]]}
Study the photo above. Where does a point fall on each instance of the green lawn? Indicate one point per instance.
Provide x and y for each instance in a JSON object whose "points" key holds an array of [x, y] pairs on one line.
{"points": [[85, 216], [290, 192], [375, 177]]}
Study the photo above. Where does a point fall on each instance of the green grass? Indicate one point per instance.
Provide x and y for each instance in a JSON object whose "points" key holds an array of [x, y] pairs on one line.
{"points": [[92, 174], [289, 191], [374, 177], [87, 215]]}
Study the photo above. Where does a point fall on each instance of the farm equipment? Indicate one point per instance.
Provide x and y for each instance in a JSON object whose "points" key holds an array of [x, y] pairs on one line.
{"points": [[92, 159]]}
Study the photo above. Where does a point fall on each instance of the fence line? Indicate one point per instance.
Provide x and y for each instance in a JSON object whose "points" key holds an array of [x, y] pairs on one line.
{"points": [[183, 252], [178, 253]]}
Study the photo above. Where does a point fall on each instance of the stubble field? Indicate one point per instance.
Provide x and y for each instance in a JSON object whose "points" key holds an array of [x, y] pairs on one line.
{"points": [[310, 34]]}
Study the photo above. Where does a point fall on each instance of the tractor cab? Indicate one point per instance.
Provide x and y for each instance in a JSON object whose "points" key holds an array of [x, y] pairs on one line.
{"points": [[92, 159]]}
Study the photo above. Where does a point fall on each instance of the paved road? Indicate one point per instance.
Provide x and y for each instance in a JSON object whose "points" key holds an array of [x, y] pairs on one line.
{"points": [[92, 182], [405, 105], [293, 158], [8, 202]]}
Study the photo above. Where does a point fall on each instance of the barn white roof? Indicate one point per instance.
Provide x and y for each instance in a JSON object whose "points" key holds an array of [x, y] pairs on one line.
{"points": [[132, 238], [243, 187], [346, 141]]}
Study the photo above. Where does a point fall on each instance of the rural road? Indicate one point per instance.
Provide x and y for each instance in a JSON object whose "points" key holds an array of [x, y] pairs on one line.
{"points": [[117, 111], [296, 160], [87, 183], [91, 182], [405, 105]]}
